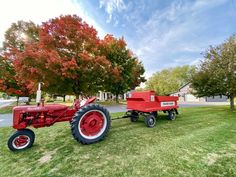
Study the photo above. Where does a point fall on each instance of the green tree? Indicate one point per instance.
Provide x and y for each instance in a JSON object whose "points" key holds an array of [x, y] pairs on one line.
{"points": [[170, 80], [217, 73], [128, 69]]}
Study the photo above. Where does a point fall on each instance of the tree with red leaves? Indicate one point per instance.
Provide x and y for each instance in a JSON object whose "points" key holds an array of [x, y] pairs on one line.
{"points": [[127, 66], [16, 38], [66, 58]]}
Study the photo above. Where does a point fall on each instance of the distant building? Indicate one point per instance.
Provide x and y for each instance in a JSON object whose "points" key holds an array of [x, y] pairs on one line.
{"points": [[185, 95], [104, 96], [219, 98]]}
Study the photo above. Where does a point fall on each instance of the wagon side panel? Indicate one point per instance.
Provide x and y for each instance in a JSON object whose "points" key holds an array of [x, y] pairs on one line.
{"points": [[167, 102]]}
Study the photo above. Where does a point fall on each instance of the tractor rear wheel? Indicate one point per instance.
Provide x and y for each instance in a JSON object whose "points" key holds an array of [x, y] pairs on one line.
{"points": [[171, 115], [90, 124], [21, 139], [150, 120]]}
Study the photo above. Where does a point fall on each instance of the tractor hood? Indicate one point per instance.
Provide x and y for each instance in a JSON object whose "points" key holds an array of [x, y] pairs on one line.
{"points": [[51, 107]]}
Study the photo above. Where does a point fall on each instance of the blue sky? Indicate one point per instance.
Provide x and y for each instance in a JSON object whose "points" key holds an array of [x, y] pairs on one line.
{"points": [[166, 33], [162, 33]]}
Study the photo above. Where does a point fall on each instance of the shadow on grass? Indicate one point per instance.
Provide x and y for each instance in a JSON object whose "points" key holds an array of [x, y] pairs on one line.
{"points": [[127, 125]]}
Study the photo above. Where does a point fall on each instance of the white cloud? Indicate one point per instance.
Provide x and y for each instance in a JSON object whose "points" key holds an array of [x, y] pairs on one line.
{"points": [[173, 31], [111, 6], [203, 4], [39, 11]]}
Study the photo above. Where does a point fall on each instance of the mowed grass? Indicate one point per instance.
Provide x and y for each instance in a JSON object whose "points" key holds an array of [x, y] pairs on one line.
{"points": [[6, 110], [200, 142]]}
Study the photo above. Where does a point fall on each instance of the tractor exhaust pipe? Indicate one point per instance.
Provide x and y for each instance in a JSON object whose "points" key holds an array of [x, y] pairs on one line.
{"points": [[38, 94]]}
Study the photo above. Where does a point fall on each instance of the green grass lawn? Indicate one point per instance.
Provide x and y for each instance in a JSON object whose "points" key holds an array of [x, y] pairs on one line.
{"points": [[6, 110], [200, 142]]}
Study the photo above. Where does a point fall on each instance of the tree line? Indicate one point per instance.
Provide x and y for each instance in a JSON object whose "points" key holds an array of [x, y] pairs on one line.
{"points": [[66, 54], [169, 80]]}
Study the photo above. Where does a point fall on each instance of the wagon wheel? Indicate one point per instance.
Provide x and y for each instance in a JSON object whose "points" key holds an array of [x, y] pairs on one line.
{"points": [[134, 116], [21, 139], [150, 121], [90, 124], [171, 115]]}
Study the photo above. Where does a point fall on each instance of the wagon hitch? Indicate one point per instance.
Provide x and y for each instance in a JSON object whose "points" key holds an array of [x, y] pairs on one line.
{"points": [[128, 114], [123, 117]]}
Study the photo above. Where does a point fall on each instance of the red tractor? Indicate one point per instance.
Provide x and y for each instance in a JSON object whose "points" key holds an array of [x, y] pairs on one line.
{"points": [[89, 122]]}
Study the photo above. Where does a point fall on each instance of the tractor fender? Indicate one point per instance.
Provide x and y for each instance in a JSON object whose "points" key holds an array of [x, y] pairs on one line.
{"points": [[88, 101]]}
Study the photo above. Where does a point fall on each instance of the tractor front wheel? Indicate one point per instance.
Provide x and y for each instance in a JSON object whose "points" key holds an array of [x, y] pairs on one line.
{"points": [[21, 139], [90, 124]]}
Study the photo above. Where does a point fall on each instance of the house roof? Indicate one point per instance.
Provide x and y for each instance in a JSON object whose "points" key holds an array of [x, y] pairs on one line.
{"points": [[179, 88], [184, 85]]}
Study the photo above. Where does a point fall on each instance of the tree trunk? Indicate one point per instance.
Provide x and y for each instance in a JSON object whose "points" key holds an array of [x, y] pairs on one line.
{"points": [[77, 96], [232, 102], [117, 98], [64, 98], [28, 102], [17, 100]]}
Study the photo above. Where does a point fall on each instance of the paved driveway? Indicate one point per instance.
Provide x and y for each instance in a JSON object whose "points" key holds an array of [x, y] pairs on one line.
{"points": [[6, 119]]}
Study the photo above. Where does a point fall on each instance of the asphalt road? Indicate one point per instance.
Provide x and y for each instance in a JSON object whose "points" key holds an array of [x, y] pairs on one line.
{"points": [[6, 119], [4, 103]]}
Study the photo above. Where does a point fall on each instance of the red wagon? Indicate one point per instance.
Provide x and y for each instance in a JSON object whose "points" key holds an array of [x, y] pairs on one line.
{"points": [[146, 103]]}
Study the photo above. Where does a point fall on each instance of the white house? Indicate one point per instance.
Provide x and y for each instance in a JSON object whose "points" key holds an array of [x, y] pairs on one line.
{"points": [[103, 96], [185, 95]]}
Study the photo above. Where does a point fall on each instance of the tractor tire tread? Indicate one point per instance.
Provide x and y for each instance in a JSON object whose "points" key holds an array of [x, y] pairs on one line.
{"points": [[79, 114], [28, 132]]}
